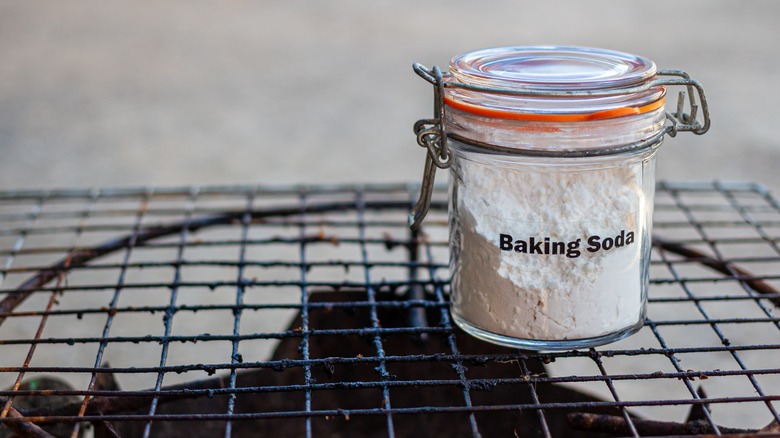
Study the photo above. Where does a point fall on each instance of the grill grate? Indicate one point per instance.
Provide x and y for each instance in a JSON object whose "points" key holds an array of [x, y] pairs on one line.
{"points": [[315, 311]]}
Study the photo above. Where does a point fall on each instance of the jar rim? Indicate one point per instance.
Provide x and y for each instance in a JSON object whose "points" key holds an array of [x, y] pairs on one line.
{"points": [[552, 83]]}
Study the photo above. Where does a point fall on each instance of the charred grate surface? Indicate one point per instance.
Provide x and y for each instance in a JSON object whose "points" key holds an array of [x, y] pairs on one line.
{"points": [[315, 311]]}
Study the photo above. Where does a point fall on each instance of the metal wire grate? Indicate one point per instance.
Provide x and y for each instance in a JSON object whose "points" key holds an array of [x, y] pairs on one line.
{"points": [[315, 311]]}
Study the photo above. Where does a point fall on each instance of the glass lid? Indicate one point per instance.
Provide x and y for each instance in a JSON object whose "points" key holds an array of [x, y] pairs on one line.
{"points": [[552, 69]]}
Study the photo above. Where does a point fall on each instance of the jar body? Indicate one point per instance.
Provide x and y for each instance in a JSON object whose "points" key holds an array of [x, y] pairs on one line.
{"points": [[552, 181], [550, 253]]}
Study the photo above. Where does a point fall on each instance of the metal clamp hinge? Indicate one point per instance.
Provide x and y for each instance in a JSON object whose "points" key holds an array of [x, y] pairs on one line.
{"points": [[432, 136], [679, 120]]}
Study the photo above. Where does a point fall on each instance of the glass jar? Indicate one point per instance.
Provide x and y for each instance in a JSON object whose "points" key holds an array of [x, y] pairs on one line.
{"points": [[551, 152]]}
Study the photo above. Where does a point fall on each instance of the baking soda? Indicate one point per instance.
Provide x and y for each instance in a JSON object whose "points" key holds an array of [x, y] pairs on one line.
{"points": [[549, 255]]}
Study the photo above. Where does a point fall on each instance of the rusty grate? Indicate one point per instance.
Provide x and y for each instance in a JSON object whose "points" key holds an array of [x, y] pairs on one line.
{"points": [[315, 311]]}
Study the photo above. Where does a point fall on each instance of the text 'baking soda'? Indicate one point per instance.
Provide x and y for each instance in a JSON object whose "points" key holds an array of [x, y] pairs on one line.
{"points": [[547, 246]]}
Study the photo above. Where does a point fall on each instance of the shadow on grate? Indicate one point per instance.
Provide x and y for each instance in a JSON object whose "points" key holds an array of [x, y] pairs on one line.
{"points": [[314, 311]]}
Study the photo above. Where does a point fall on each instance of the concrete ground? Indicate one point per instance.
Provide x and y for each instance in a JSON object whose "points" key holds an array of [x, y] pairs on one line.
{"points": [[180, 93], [171, 92]]}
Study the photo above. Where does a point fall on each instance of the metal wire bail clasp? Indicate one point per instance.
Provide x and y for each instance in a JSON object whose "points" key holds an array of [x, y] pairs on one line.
{"points": [[432, 136], [679, 120]]}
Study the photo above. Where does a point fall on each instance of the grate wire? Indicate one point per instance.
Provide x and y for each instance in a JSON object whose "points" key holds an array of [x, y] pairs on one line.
{"points": [[171, 310], [360, 207], [713, 246], [714, 272], [304, 344], [235, 356], [18, 244]]}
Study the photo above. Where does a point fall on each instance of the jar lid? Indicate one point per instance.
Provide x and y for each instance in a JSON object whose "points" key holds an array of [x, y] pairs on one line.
{"points": [[552, 83]]}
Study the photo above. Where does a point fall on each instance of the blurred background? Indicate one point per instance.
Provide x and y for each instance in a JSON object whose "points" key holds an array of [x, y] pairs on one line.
{"points": [[173, 92], [96, 94]]}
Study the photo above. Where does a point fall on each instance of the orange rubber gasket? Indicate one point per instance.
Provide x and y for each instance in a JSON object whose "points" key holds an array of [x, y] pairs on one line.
{"points": [[535, 117]]}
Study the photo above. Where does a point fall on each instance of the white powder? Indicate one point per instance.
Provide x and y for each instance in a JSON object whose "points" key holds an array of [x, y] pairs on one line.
{"points": [[548, 296]]}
